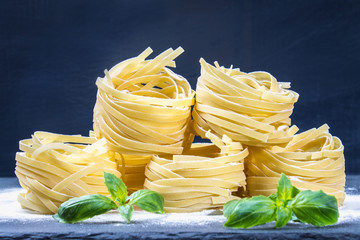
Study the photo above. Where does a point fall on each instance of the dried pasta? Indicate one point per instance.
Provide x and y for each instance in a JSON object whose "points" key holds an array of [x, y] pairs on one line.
{"points": [[143, 132], [144, 108], [313, 160], [251, 108], [54, 168], [202, 178]]}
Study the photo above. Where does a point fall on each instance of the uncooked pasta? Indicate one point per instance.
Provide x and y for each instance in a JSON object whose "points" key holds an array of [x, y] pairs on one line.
{"points": [[143, 133], [204, 177], [54, 168], [312, 160], [143, 107], [132, 168], [251, 108]]}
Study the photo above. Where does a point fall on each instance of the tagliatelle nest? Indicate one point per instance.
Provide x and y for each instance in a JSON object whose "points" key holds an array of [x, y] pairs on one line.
{"points": [[143, 107], [204, 177], [54, 168], [251, 108], [312, 160]]}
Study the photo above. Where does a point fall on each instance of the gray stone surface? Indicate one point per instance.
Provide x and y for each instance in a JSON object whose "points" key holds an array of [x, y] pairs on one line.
{"points": [[154, 229]]}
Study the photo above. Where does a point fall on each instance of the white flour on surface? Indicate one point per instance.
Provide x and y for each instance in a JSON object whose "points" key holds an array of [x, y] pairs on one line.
{"points": [[10, 210]]}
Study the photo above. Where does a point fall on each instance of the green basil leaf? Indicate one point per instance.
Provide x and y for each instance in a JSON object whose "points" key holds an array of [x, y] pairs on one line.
{"points": [[126, 211], [294, 218], [148, 200], [283, 215], [250, 212], [294, 191], [116, 187], [316, 208], [284, 189], [84, 207], [229, 206]]}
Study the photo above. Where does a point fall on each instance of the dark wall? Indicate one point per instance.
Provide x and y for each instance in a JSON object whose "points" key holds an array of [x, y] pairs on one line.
{"points": [[51, 53]]}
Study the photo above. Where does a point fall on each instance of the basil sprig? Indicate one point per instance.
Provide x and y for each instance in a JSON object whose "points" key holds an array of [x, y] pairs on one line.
{"points": [[81, 208], [288, 203]]}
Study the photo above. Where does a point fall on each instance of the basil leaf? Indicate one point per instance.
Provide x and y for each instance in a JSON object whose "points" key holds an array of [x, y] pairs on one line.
{"points": [[284, 189], [250, 212], [294, 191], [116, 187], [294, 218], [84, 207], [316, 208], [229, 206], [126, 211], [283, 215], [148, 200]]}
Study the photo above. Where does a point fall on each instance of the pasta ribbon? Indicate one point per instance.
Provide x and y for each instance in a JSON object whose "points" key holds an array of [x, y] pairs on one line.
{"points": [[54, 168], [132, 168], [203, 177], [144, 108], [251, 108], [312, 160]]}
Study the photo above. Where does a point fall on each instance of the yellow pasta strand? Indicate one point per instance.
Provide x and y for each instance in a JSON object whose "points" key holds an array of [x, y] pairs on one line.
{"points": [[54, 168], [313, 160], [252, 108], [204, 177], [132, 168]]}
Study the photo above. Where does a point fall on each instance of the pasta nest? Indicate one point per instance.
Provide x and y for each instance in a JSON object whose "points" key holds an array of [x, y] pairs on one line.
{"points": [[54, 168], [252, 108], [143, 107], [313, 160], [204, 177]]}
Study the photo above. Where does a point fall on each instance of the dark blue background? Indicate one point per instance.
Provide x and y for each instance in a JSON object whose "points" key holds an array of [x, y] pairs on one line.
{"points": [[51, 53]]}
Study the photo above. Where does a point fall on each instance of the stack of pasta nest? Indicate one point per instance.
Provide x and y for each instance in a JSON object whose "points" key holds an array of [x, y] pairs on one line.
{"points": [[254, 109], [143, 108], [314, 159], [142, 126], [54, 168], [203, 177]]}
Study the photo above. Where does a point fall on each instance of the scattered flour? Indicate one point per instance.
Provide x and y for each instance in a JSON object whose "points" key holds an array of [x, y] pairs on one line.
{"points": [[10, 209], [350, 211]]}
